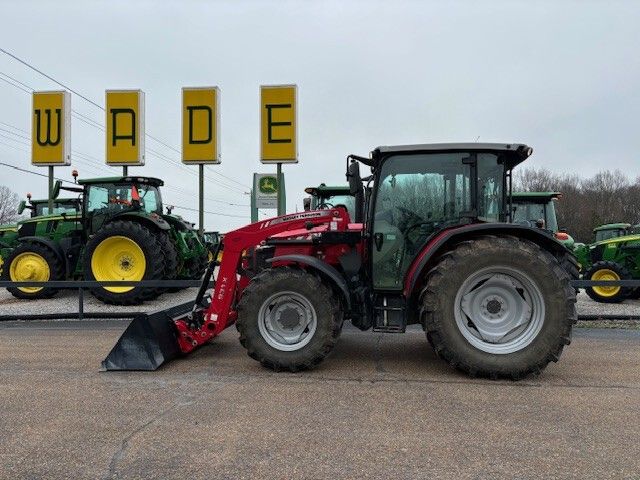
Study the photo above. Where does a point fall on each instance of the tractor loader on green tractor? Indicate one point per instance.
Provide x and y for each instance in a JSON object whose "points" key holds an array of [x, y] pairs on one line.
{"points": [[431, 248], [120, 233]]}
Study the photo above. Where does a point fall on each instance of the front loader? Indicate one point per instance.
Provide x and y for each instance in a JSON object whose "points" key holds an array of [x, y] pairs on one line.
{"points": [[432, 247]]}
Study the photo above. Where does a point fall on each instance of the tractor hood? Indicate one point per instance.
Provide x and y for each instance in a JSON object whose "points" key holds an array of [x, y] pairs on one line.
{"points": [[625, 238]]}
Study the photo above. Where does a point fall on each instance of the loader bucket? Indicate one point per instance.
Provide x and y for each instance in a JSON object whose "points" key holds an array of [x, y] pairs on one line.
{"points": [[149, 341]]}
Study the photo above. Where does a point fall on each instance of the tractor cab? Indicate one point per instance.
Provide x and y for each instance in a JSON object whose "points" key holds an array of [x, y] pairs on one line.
{"points": [[612, 230], [537, 209], [421, 190], [106, 198], [325, 196]]}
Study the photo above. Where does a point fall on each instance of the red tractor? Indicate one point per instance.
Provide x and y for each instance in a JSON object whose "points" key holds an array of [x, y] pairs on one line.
{"points": [[432, 247]]}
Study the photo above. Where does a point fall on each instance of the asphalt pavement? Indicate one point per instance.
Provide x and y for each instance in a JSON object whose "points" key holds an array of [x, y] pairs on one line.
{"points": [[382, 406]]}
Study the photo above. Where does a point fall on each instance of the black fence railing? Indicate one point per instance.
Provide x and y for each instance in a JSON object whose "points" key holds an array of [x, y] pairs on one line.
{"points": [[81, 285]]}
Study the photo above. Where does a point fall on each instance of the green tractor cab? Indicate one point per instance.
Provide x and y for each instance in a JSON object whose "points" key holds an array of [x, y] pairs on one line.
{"points": [[118, 233], [537, 209], [324, 196], [615, 255], [612, 230]]}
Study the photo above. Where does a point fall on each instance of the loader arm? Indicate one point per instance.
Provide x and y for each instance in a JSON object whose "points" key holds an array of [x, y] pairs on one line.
{"points": [[220, 313], [151, 340]]}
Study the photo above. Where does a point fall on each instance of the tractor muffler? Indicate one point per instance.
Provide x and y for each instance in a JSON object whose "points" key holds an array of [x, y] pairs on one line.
{"points": [[149, 341]]}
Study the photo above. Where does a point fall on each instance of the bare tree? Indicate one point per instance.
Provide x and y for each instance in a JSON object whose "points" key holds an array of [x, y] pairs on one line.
{"points": [[8, 205]]}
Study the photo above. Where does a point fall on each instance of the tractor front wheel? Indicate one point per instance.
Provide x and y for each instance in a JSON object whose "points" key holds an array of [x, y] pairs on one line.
{"points": [[605, 270], [33, 262], [499, 307], [124, 250], [288, 319]]}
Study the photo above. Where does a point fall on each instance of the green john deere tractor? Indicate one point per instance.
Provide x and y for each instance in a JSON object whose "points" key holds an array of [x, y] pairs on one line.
{"points": [[9, 233], [615, 255], [537, 209], [120, 233]]}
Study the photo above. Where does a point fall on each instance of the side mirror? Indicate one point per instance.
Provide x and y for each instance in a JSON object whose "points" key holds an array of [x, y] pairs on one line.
{"points": [[21, 206], [353, 177], [355, 189], [56, 189], [306, 203]]}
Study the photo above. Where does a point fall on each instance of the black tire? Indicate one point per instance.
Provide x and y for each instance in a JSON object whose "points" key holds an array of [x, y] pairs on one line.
{"points": [[56, 270], [152, 250], [199, 265], [465, 260], [635, 293], [170, 255], [325, 302], [621, 271], [570, 264]]}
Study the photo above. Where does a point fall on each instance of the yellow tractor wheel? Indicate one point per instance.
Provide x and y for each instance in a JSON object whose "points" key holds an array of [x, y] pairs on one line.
{"points": [[32, 262], [607, 271], [124, 250]]}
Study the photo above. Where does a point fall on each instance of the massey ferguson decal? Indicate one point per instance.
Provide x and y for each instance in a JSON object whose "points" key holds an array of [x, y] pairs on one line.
{"points": [[296, 216]]}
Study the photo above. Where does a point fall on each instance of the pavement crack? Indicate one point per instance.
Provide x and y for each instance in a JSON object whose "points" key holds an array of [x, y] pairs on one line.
{"points": [[119, 454]]}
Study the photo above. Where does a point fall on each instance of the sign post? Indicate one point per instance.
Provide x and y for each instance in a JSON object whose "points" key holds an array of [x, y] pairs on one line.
{"points": [[51, 132], [125, 128], [279, 131], [201, 134]]}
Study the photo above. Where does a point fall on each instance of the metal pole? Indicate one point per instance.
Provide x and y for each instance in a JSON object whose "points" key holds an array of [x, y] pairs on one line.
{"points": [[50, 189], [201, 199], [125, 171], [279, 177], [254, 209]]}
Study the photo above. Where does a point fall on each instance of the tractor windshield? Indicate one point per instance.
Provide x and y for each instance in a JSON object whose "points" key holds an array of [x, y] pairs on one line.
{"points": [[58, 209], [332, 201], [541, 215], [610, 233], [420, 194], [113, 198]]}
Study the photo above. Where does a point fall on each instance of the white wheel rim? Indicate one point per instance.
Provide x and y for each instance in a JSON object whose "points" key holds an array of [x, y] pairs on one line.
{"points": [[287, 321], [499, 310]]}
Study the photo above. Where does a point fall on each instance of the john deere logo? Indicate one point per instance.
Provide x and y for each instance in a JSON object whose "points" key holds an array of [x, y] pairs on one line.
{"points": [[268, 185]]}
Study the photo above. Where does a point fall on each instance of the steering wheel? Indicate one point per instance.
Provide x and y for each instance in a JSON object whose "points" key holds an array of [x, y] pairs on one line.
{"points": [[408, 218], [325, 206]]}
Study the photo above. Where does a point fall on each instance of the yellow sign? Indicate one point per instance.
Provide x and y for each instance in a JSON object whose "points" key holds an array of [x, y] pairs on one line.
{"points": [[278, 124], [125, 127], [201, 125], [51, 128]]}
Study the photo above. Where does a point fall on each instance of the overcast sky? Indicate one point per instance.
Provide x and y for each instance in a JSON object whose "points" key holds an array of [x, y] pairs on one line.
{"points": [[561, 76]]}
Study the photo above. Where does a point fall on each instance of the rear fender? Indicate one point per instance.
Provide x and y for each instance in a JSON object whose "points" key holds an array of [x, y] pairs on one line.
{"points": [[446, 239], [325, 270], [153, 222]]}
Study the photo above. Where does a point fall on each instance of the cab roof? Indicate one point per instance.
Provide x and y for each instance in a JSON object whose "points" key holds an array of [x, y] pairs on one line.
{"points": [[516, 153], [612, 226], [535, 196], [328, 190], [155, 182]]}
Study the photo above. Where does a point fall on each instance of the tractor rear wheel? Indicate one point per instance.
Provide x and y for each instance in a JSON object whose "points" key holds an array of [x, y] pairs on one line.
{"points": [[499, 307], [170, 255], [33, 262], [288, 319], [605, 270], [124, 250]]}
